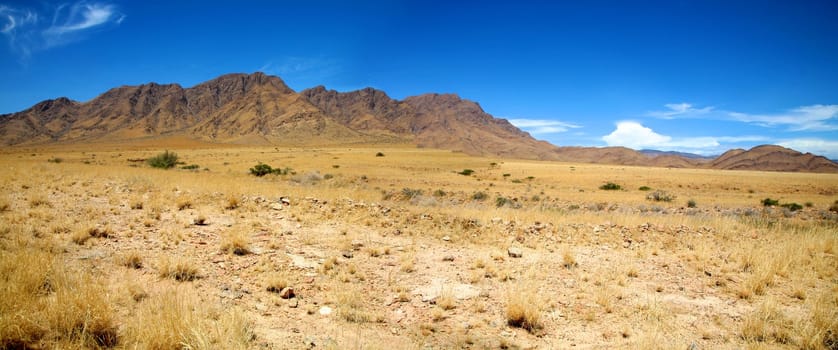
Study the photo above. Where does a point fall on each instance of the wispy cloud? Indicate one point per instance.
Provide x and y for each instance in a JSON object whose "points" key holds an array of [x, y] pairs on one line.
{"points": [[828, 148], [682, 109], [806, 118], [28, 31], [302, 70], [634, 135], [543, 126]]}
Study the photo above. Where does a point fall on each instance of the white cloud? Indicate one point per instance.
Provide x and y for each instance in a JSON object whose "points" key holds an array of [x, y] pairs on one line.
{"points": [[634, 135], [543, 126], [805, 118], [679, 109], [27, 33], [827, 148]]}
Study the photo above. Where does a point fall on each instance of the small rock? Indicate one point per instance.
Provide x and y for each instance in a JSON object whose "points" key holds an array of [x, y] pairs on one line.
{"points": [[515, 252], [293, 303], [286, 293], [497, 220], [347, 254], [446, 238], [325, 311], [356, 244], [276, 206]]}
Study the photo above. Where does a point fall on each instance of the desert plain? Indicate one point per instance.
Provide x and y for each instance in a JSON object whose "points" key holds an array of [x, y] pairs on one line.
{"points": [[398, 247]]}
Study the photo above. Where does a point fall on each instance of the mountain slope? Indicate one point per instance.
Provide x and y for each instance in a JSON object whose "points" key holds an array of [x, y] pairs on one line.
{"points": [[261, 109], [773, 158]]}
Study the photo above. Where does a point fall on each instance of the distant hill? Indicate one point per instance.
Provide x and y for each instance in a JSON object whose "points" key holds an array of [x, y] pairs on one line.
{"points": [[258, 109], [656, 153]]}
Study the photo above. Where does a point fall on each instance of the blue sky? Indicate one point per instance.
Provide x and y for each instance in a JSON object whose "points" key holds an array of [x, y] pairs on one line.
{"points": [[699, 76]]}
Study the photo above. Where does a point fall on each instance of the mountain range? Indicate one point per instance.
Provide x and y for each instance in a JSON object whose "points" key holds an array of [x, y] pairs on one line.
{"points": [[259, 109]]}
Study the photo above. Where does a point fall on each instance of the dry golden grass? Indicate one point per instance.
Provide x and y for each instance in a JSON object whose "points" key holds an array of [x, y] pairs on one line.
{"points": [[523, 308], [235, 241], [728, 274], [177, 268]]}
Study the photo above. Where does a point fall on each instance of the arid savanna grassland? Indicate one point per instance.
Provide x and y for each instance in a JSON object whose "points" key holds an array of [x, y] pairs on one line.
{"points": [[389, 247]]}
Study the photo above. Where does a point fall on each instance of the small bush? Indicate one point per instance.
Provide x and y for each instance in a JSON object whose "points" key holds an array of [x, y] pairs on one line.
{"points": [[410, 193], [178, 269], [792, 206], [439, 193], [644, 188], [479, 196], [610, 186], [661, 196], [261, 169], [165, 160], [190, 167], [768, 202], [834, 207], [691, 203], [55, 160], [235, 242], [466, 172], [522, 311], [379, 154], [506, 175]]}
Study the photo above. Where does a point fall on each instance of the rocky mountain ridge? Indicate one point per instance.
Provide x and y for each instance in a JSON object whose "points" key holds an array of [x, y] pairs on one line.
{"points": [[261, 109]]}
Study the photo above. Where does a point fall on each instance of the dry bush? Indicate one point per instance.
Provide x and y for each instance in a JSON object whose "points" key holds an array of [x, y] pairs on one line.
{"points": [[446, 299], [177, 268], [184, 203], [236, 242], [351, 307], [45, 305], [523, 308], [768, 323], [176, 320], [131, 259], [276, 282], [232, 201]]}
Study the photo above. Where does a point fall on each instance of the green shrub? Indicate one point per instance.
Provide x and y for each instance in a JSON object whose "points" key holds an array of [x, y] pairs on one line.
{"points": [[768, 202], [466, 172], [190, 167], [439, 193], [691, 203], [661, 196], [261, 169], [644, 188], [479, 196], [165, 160], [610, 186], [55, 160], [792, 206]]}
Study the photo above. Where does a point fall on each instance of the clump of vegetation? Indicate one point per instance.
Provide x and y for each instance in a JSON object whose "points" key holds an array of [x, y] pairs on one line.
{"points": [[165, 160], [466, 172], [410, 193], [661, 196], [502, 201], [522, 311], [691, 203], [379, 154], [178, 269], [834, 207], [479, 196], [792, 206], [263, 169], [768, 202], [190, 167], [439, 193], [644, 188], [610, 186], [55, 160], [235, 242]]}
